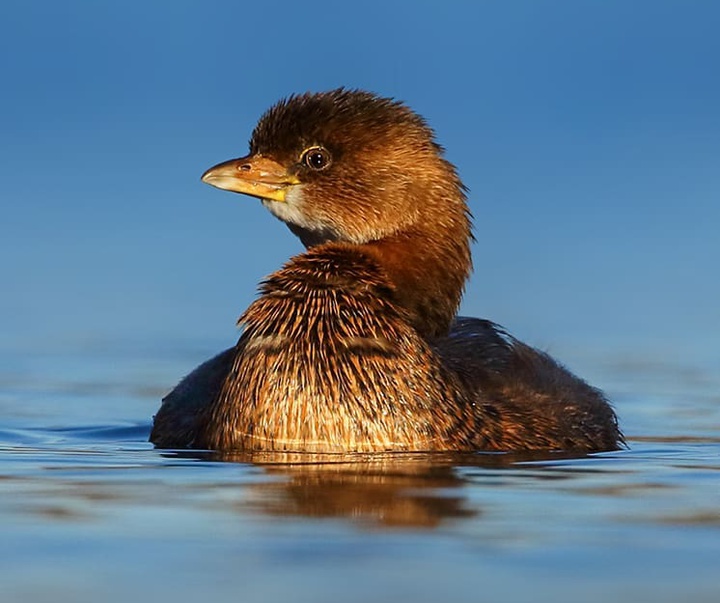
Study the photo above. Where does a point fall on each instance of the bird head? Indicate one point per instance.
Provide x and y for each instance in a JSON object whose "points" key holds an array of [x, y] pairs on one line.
{"points": [[345, 166]]}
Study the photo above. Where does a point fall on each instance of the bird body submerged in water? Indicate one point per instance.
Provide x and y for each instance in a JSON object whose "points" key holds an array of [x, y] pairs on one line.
{"points": [[354, 345]]}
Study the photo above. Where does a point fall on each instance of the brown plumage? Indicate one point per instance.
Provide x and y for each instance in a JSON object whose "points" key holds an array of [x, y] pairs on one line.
{"points": [[354, 345]]}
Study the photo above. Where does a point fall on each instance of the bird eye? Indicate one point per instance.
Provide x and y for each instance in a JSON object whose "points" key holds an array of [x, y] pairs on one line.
{"points": [[316, 158]]}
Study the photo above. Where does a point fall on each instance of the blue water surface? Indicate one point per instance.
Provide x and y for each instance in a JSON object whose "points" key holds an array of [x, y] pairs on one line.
{"points": [[92, 512]]}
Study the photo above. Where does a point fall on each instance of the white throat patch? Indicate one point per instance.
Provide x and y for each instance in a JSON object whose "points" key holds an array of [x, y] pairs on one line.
{"points": [[290, 211]]}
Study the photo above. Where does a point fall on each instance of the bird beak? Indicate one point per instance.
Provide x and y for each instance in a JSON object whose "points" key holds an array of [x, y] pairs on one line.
{"points": [[253, 175]]}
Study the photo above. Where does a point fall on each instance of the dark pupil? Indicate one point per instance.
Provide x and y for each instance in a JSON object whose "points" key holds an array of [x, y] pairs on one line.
{"points": [[316, 159]]}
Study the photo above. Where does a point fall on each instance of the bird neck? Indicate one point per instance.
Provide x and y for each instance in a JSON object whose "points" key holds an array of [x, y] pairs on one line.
{"points": [[428, 272]]}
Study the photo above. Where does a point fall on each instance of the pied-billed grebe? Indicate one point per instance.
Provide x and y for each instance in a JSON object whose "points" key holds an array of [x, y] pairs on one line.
{"points": [[354, 344]]}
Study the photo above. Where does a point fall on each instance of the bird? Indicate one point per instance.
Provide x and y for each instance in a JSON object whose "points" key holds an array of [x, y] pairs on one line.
{"points": [[354, 345]]}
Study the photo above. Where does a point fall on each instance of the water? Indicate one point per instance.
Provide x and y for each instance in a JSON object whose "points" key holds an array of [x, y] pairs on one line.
{"points": [[91, 512]]}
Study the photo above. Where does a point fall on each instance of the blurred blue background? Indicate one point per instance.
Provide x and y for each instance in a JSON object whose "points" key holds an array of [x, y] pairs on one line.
{"points": [[588, 133]]}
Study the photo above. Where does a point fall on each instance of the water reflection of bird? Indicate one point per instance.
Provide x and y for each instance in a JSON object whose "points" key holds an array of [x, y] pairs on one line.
{"points": [[409, 490], [354, 344]]}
